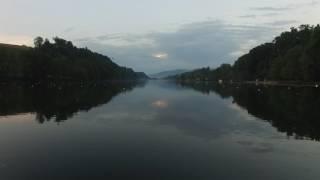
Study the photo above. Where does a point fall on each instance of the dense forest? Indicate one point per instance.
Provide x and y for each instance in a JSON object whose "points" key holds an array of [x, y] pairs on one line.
{"points": [[59, 61], [292, 56]]}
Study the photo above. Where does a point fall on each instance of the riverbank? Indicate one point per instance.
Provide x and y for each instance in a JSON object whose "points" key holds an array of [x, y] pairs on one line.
{"points": [[284, 83], [264, 83]]}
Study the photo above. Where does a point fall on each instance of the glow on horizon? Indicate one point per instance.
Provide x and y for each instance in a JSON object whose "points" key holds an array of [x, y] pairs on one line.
{"points": [[161, 56], [16, 39], [19, 118]]}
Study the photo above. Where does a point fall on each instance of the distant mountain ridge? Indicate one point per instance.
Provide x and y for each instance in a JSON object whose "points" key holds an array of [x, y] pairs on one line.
{"points": [[165, 74]]}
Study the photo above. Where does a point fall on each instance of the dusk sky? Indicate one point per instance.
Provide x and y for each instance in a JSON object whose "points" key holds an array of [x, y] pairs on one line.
{"points": [[154, 36]]}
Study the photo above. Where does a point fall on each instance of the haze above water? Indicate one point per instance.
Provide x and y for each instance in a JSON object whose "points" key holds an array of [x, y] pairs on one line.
{"points": [[159, 130]]}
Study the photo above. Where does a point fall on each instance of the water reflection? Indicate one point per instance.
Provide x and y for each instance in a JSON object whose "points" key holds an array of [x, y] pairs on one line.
{"points": [[57, 102], [291, 110], [160, 104], [160, 131]]}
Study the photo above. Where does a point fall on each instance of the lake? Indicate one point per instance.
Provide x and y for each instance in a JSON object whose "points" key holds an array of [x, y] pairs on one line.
{"points": [[159, 130]]}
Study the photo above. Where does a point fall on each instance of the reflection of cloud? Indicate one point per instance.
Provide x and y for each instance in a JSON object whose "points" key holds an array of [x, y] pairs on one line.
{"points": [[160, 104], [3, 165], [263, 148], [257, 147], [245, 143], [28, 117], [207, 117], [196, 117], [241, 112]]}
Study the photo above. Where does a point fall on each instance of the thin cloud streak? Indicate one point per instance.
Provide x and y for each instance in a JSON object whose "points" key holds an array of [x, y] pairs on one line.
{"points": [[287, 7], [282, 22]]}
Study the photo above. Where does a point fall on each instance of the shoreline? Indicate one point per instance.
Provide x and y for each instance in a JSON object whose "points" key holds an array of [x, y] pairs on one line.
{"points": [[284, 83], [264, 83]]}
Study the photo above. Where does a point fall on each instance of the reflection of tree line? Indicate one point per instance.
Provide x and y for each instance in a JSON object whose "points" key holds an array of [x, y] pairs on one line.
{"points": [[294, 111], [58, 102]]}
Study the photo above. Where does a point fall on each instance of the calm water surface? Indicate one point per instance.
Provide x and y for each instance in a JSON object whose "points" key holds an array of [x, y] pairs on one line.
{"points": [[159, 130]]}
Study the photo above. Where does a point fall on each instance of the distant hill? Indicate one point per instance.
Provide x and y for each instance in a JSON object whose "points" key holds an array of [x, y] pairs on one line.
{"points": [[165, 74], [59, 61], [292, 56]]}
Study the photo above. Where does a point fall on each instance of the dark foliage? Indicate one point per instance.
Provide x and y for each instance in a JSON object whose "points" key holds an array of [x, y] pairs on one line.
{"points": [[59, 61], [292, 56]]}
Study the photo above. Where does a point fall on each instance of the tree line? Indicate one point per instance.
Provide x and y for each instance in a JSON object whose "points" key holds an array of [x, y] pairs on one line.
{"points": [[59, 61], [292, 56]]}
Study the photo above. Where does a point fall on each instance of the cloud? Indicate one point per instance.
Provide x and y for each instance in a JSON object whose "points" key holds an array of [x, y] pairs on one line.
{"points": [[193, 45], [287, 7], [118, 39], [312, 3], [269, 8], [69, 29], [272, 14], [254, 16], [248, 16], [160, 56], [282, 22]]}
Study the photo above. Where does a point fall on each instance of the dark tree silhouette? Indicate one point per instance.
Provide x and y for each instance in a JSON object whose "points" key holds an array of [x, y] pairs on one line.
{"points": [[38, 41], [59, 61], [292, 56]]}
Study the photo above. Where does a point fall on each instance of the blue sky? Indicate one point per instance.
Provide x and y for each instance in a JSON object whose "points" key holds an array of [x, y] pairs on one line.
{"points": [[154, 35]]}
